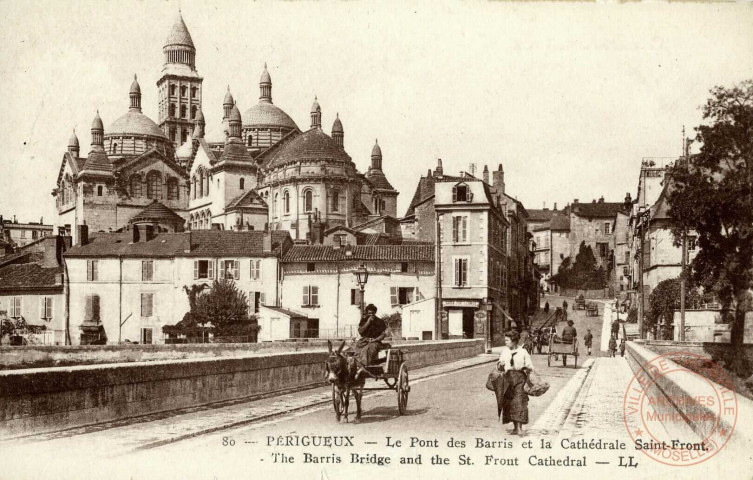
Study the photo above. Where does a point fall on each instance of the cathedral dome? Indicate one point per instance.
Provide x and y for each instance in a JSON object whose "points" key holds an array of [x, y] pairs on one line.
{"points": [[134, 123], [267, 115], [313, 145]]}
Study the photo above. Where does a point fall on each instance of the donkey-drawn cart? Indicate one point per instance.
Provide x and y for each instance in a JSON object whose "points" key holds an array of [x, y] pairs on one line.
{"points": [[393, 372], [557, 346]]}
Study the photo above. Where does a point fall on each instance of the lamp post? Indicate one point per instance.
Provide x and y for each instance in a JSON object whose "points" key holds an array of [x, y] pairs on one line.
{"points": [[488, 306], [362, 276]]}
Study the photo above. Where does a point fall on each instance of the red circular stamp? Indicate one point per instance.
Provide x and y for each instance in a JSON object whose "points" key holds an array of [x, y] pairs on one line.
{"points": [[680, 408]]}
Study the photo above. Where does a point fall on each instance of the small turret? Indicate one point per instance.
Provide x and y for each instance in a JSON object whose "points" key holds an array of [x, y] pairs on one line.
{"points": [[316, 114], [235, 123], [376, 156], [338, 134], [135, 95], [200, 124], [73, 147], [227, 104], [98, 133], [265, 86]]}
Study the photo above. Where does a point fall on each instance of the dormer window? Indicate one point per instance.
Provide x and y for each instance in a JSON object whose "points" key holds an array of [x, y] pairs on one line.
{"points": [[461, 193]]}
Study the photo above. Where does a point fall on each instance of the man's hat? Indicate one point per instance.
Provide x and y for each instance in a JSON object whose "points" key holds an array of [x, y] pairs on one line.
{"points": [[371, 308]]}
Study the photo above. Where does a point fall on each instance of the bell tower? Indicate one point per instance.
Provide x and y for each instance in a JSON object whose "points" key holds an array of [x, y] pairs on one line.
{"points": [[179, 86]]}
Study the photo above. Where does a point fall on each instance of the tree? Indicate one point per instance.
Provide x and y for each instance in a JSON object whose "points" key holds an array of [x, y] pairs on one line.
{"points": [[224, 306], [712, 196], [584, 273], [663, 302]]}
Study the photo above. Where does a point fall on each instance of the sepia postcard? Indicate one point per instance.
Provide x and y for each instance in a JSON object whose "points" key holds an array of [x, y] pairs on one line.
{"points": [[333, 240]]}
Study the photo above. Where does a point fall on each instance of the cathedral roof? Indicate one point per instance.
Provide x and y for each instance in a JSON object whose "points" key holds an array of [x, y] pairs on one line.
{"points": [[265, 78], [97, 123], [311, 145], [337, 126], [179, 33], [378, 179], [73, 141], [377, 150], [97, 162], [157, 212], [228, 100], [134, 123], [265, 114], [135, 88]]}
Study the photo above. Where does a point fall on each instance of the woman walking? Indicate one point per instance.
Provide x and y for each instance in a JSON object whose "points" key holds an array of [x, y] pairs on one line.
{"points": [[516, 364]]}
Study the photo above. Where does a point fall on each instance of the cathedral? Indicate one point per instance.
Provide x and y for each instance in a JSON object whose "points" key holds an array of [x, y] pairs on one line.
{"points": [[254, 171]]}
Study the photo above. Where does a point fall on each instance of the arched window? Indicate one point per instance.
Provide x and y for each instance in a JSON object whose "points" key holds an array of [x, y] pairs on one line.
{"points": [[243, 184], [99, 190], [154, 186], [206, 183], [193, 112], [183, 91], [113, 148], [194, 91], [172, 110], [286, 201], [173, 189], [335, 201], [194, 184], [172, 89], [184, 136], [183, 111], [308, 201], [249, 139], [134, 189]]}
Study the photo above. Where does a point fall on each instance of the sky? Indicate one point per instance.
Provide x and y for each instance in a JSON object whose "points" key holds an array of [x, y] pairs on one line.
{"points": [[568, 97]]}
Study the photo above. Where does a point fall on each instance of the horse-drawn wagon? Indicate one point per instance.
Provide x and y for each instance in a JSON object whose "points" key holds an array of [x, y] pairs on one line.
{"points": [[592, 309]]}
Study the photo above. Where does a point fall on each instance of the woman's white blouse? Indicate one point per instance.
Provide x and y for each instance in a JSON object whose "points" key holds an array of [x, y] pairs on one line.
{"points": [[522, 359]]}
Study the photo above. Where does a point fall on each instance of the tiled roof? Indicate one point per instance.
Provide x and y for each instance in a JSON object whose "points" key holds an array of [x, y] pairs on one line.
{"points": [[158, 212], [378, 179], [202, 243], [236, 152], [265, 157], [537, 215], [179, 33], [311, 145], [97, 162], [29, 275], [327, 253], [247, 199], [560, 222], [286, 311], [597, 209], [265, 114]]}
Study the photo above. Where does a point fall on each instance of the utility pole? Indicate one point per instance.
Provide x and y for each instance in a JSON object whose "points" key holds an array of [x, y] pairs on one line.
{"points": [[681, 333]]}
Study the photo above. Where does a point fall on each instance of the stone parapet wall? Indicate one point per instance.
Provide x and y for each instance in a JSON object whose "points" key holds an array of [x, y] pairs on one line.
{"points": [[51, 399]]}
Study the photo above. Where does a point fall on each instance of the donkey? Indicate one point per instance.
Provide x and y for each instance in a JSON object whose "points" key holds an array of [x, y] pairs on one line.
{"points": [[341, 371]]}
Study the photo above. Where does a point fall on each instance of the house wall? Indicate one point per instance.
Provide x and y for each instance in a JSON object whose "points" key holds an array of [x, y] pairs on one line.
{"points": [[591, 231], [32, 310]]}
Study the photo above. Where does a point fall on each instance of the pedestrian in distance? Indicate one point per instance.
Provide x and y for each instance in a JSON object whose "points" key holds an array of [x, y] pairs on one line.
{"points": [[588, 339], [622, 347], [546, 308], [516, 364], [564, 306], [612, 346]]}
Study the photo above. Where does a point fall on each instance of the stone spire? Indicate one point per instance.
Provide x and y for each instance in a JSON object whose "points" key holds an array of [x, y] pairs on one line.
{"points": [[338, 134], [200, 124], [135, 95], [98, 133], [316, 114], [376, 156], [265, 86], [179, 47]]}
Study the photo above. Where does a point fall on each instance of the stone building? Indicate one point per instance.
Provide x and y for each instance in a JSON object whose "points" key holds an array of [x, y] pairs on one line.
{"points": [[594, 223], [18, 234]]}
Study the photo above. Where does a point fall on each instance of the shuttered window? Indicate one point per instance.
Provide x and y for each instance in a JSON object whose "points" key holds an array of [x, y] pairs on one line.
{"points": [[394, 300], [460, 229], [147, 304], [255, 269], [147, 270], [461, 272], [231, 269], [310, 296], [91, 312], [92, 274], [15, 307], [45, 308]]}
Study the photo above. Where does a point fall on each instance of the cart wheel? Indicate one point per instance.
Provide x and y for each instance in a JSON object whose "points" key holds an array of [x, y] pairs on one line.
{"points": [[337, 406], [549, 360], [403, 388]]}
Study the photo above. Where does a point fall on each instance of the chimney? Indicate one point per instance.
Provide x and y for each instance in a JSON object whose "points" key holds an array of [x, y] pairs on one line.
{"points": [[439, 171], [498, 179], [136, 233], [428, 174], [53, 249], [82, 231], [555, 205], [575, 201], [601, 199], [267, 242], [150, 233], [486, 174]]}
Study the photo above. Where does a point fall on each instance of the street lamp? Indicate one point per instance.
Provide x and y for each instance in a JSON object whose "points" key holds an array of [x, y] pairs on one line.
{"points": [[488, 306], [362, 276]]}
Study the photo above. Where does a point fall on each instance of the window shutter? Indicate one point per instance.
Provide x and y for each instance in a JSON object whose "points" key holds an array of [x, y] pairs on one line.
{"points": [[455, 229], [457, 272], [352, 296], [144, 275], [258, 269], [464, 229], [455, 194], [465, 272], [210, 268], [261, 299], [88, 270], [314, 295], [305, 296], [419, 296], [42, 307], [143, 305], [153, 304], [195, 269], [95, 308], [88, 309], [393, 296], [236, 269]]}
